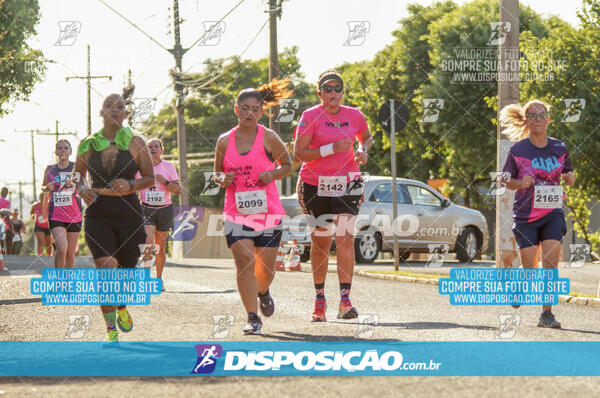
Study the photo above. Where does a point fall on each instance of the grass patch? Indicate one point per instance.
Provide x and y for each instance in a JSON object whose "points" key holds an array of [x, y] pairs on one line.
{"points": [[411, 274]]}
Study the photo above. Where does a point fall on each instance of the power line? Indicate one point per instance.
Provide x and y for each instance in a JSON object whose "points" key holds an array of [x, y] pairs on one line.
{"points": [[220, 20], [88, 79], [202, 86], [134, 25]]}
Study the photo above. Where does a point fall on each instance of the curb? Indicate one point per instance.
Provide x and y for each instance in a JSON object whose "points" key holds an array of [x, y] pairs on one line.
{"points": [[590, 302], [587, 301]]}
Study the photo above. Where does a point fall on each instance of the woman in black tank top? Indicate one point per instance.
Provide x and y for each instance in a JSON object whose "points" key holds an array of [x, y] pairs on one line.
{"points": [[114, 225]]}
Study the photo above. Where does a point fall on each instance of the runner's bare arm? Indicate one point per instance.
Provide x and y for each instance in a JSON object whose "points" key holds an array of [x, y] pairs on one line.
{"points": [[141, 156], [276, 148], [366, 141], [303, 153], [219, 156], [47, 185], [45, 203], [569, 178], [84, 191], [523, 183], [174, 187], [144, 160]]}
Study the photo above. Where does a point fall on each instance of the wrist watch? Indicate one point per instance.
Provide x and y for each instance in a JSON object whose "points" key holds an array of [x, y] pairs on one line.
{"points": [[131, 182]]}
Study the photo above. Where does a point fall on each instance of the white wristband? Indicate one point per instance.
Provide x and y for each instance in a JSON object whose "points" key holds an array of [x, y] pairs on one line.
{"points": [[326, 150]]}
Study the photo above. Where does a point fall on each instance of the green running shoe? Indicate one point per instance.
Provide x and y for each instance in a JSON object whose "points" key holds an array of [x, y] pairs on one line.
{"points": [[112, 338], [124, 320]]}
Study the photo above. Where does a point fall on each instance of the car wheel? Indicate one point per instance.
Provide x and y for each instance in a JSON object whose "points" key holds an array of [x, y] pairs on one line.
{"points": [[467, 245], [403, 256], [366, 246]]}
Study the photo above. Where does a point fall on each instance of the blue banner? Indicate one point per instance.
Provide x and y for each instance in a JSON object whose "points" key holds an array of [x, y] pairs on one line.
{"points": [[269, 358], [95, 286], [503, 286]]}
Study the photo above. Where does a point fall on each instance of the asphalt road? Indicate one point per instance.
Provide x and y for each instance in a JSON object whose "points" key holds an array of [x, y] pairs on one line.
{"points": [[198, 289]]}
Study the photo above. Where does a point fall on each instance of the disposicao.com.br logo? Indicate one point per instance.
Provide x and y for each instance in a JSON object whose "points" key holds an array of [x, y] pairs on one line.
{"points": [[304, 362]]}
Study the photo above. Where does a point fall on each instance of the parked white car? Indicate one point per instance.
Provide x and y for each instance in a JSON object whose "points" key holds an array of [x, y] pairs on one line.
{"points": [[426, 220]]}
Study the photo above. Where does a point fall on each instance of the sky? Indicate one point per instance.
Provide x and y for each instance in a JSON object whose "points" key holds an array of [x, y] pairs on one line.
{"points": [[319, 28]]}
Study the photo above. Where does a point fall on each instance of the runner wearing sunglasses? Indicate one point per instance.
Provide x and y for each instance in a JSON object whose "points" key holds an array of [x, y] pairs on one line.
{"points": [[252, 157], [325, 144], [536, 164]]}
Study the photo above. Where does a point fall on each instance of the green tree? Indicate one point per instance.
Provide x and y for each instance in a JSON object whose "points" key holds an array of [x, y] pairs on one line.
{"points": [[566, 58], [398, 71], [465, 129], [209, 110], [20, 65]]}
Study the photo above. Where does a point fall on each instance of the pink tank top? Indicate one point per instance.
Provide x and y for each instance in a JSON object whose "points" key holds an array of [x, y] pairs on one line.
{"points": [[37, 211], [247, 200]]}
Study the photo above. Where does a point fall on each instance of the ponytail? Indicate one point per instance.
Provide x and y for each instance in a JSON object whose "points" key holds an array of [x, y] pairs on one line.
{"points": [[513, 117], [268, 94]]}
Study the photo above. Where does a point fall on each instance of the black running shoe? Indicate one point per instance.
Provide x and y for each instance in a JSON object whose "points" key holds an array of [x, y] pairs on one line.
{"points": [[267, 306], [547, 320], [253, 326]]}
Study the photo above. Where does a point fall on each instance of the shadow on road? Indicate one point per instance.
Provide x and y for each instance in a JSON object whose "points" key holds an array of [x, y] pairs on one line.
{"points": [[577, 331], [421, 325], [436, 325], [211, 292], [291, 336], [175, 265]]}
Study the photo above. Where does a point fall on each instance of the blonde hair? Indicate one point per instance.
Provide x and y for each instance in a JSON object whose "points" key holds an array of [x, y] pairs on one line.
{"points": [[512, 118]]}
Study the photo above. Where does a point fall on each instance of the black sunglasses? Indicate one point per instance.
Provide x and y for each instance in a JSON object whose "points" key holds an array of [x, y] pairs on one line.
{"points": [[337, 89]]}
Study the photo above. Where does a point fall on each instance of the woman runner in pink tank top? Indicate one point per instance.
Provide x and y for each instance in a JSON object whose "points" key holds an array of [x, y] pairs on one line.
{"points": [[63, 211], [248, 160], [326, 187], [41, 229]]}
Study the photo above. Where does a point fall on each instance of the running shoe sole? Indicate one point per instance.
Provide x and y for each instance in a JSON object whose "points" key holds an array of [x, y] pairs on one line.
{"points": [[556, 325], [350, 314], [253, 330], [267, 306]]}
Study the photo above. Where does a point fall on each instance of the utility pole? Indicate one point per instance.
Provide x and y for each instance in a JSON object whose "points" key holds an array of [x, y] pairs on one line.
{"points": [[130, 105], [88, 79], [57, 133], [31, 132], [508, 93], [178, 53], [274, 12], [273, 55], [21, 199]]}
